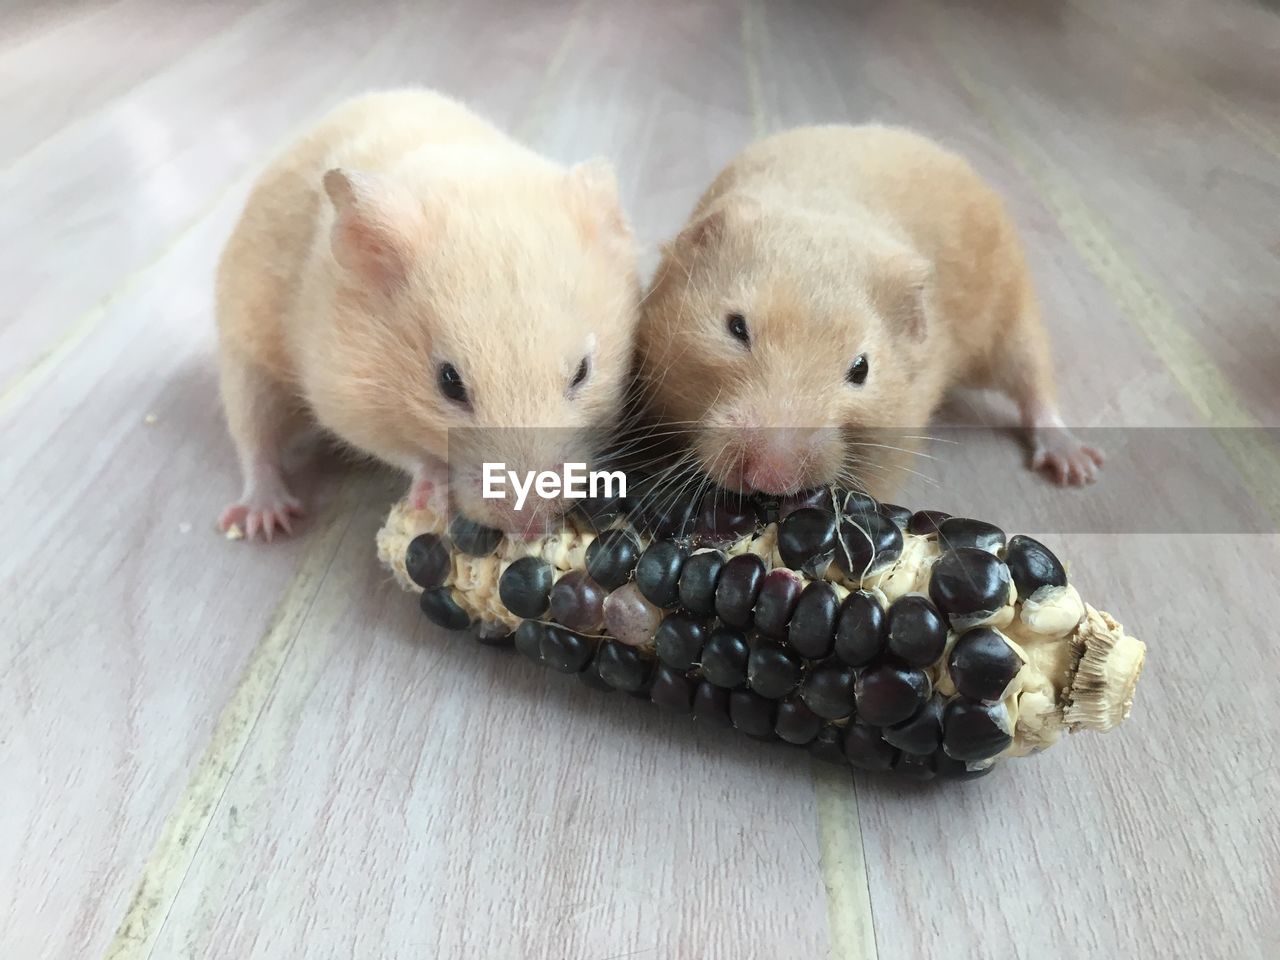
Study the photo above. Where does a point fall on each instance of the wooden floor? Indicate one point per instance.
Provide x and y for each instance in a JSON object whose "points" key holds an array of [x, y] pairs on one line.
{"points": [[209, 749]]}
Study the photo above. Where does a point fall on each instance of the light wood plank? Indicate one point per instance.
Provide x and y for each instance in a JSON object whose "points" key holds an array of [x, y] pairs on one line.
{"points": [[1211, 198], [127, 620], [61, 77], [129, 181], [1226, 61]]}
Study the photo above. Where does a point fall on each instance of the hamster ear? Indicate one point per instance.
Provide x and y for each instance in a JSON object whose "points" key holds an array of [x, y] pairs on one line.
{"points": [[903, 292], [593, 193], [714, 223], [369, 228]]}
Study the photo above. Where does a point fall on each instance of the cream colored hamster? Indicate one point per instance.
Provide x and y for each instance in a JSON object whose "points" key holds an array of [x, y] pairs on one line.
{"points": [[833, 283], [408, 277]]}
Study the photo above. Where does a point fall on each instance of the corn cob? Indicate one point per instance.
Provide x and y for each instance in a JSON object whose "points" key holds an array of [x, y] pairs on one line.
{"points": [[919, 642]]}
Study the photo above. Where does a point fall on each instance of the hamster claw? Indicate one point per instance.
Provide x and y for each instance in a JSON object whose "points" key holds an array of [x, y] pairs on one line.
{"points": [[254, 518]]}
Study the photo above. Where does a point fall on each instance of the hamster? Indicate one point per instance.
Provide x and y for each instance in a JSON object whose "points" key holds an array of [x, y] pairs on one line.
{"points": [[833, 283], [425, 289]]}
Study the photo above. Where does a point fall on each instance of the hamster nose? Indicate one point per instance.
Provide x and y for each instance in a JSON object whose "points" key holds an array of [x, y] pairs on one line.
{"points": [[772, 469]]}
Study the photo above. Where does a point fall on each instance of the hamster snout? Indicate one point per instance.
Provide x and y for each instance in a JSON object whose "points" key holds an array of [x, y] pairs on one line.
{"points": [[747, 453]]}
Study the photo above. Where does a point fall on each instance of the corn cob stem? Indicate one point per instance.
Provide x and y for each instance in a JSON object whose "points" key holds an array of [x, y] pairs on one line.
{"points": [[1012, 673]]}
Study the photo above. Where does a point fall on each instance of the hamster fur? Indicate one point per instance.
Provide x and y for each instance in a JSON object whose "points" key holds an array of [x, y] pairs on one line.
{"points": [[402, 234], [815, 247]]}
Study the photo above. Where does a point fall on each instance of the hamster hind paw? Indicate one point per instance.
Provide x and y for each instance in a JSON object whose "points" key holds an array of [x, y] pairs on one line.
{"points": [[265, 516], [1065, 459]]}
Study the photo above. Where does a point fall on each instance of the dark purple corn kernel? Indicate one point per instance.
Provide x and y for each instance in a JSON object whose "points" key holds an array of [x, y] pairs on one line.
{"points": [[776, 602], [914, 630], [751, 713], [698, 581], [442, 610], [565, 650], [471, 538], [795, 722], [888, 693], [668, 515], [953, 769], [427, 561], [963, 532], [737, 589], [975, 731], [859, 629], [856, 503], [528, 640], [577, 602], [914, 766], [525, 586], [899, 515], [828, 689], [813, 624], [826, 745], [1032, 566], [865, 749], [924, 523], [982, 664], [819, 498], [601, 511], [679, 640], [868, 542], [725, 517], [658, 572], [612, 556], [724, 658], [622, 667], [591, 677], [969, 581], [807, 540], [711, 703], [672, 690], [921, 733], [772, 670]]}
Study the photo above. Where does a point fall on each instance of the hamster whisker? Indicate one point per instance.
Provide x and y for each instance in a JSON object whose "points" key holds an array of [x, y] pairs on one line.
{"points": [[889, 446]]}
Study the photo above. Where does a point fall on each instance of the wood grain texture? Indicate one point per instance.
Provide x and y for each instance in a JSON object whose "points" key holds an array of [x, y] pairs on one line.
{"points": [[210, 750], [1147, 161], [62, 75]]}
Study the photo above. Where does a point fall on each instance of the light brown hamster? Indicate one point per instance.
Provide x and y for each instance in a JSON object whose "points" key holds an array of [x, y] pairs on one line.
{"points": [[425, 289], [833, 283]]}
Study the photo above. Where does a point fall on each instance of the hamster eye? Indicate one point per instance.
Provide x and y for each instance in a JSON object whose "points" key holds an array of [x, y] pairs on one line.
{"points": [[858, 370], [580, 377], [451, 385], [737, 325]]}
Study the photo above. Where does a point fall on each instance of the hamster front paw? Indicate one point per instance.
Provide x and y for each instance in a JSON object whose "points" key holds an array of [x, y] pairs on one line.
{"points": [[430, 489]]}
